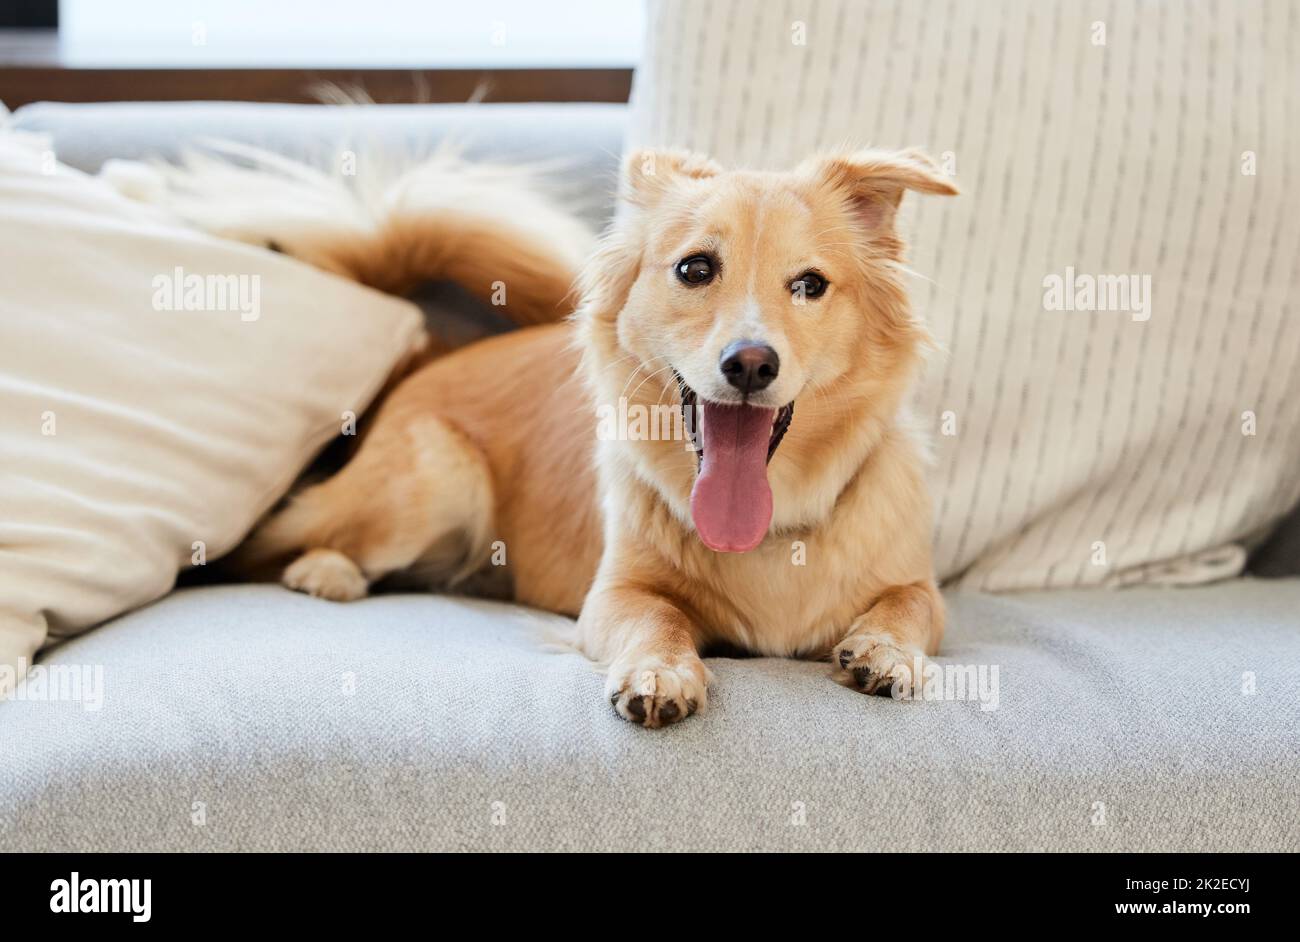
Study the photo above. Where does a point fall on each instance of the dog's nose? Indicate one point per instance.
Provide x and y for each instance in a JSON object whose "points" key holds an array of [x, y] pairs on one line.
{"points": [[749, 366]]}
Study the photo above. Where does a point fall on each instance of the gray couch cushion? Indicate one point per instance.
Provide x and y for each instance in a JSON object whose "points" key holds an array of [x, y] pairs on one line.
{"points": [[462, 732], [579, 143]]}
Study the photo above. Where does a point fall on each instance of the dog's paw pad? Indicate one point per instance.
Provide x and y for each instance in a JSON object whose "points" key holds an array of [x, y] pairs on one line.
{"points": [[659, 695], [326, 574], [876, 664], [878, 684]]}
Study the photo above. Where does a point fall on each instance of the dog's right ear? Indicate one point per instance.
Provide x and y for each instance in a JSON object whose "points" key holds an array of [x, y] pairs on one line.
{"points": [[649, 174]]}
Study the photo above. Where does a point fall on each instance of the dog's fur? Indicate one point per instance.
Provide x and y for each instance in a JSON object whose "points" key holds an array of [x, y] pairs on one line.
{"points": [[483, 470]]}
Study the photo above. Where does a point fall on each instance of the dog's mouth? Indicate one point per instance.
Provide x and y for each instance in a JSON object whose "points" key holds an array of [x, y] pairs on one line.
{"points": [[731, 502]]}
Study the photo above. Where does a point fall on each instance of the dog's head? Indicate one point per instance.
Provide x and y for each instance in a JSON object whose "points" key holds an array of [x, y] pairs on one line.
{"points": [[750, 297]]}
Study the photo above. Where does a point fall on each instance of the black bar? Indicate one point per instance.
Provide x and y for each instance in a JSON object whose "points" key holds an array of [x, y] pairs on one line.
{"points": [[893, 893]]}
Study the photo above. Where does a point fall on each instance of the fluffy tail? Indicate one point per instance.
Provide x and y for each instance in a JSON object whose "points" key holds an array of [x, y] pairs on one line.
{"points": [[387, 222]]}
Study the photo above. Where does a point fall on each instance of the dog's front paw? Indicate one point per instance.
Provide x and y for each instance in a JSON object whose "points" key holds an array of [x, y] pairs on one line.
{"points": [[874, 662], [653, 693], [326, 574]]}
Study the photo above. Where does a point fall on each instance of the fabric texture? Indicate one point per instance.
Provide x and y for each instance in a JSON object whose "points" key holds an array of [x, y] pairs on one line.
{"points": [[160, 389], [1145, 147], [252, 718]]}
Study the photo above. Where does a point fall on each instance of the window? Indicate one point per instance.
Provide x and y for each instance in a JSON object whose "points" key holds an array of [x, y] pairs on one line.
{"points": [[376, 34]]}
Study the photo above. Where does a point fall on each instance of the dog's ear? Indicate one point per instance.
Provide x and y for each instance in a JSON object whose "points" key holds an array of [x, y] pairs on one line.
{"points": [[874, 180], [649, 174]]}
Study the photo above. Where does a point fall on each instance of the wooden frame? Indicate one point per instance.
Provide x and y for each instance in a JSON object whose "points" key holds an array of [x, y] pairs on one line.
{"points": [[22, 84]]}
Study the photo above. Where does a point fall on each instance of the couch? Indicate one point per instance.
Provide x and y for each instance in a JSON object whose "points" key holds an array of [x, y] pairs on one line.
{"points": [[246, 717]]}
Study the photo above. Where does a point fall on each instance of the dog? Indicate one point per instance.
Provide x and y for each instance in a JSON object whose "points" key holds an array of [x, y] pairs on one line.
{"points": [[790, 519]]}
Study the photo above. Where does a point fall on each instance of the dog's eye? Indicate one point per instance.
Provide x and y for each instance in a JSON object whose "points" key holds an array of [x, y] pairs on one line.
{"points": [[695, 270], [809, 285]]}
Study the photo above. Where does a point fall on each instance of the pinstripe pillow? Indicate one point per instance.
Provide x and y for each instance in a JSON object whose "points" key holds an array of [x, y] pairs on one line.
{"points": [[1116, 288]]}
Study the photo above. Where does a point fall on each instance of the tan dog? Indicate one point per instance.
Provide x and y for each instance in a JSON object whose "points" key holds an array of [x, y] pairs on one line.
{"points": [[770, 309]]}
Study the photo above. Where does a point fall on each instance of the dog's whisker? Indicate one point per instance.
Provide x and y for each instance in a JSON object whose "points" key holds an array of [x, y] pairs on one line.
{"points": [[635, 370], [647, 379], [639, 368]]}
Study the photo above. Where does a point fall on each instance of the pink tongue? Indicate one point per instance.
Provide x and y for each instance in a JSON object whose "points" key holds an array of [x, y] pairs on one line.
{"points": [[731, 503]]}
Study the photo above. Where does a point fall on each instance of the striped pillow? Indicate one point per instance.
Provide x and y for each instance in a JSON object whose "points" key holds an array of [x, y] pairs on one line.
{"points": [[1116, 288]]}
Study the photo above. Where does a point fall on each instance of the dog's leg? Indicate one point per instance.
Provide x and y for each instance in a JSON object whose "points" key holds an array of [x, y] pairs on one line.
{"points": [[417, 491], [655, 675], [884, 645]]}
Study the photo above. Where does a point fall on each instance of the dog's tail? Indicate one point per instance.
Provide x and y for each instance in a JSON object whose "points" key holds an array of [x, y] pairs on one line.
{"points": [[389, 223]]}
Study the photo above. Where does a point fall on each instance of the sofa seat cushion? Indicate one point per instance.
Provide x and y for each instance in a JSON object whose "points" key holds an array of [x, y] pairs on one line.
{"points": [[251, 718]]}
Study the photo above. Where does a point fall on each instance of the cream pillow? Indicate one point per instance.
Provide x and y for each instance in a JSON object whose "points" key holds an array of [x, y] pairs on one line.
{"points": [[1075, 444], [159, 390]]}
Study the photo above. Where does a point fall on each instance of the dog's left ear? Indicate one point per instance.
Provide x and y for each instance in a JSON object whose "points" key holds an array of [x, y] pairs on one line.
{"points": [[874, 180], [649, 174]]}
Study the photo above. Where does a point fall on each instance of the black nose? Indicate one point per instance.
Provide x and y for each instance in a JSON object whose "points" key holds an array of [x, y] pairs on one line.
{"points": [[750, 366]]}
